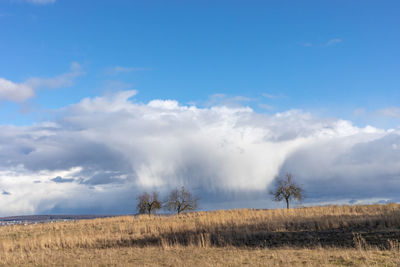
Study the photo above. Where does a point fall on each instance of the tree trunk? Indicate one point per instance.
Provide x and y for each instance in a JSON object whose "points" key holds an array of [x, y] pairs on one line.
{"points": [[287, 203], [179, 209]]}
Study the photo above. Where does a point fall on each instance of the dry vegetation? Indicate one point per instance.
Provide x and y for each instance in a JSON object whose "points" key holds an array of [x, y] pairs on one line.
{"points": [[332, 235]]}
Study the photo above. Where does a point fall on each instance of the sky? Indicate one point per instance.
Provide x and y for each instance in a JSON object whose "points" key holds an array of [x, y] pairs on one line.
{"points": [[100, 101]]}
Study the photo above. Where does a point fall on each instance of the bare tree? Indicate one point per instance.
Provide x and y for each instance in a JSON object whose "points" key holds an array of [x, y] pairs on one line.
{"points": [[287, 189], [148, 203], [181, 200]]}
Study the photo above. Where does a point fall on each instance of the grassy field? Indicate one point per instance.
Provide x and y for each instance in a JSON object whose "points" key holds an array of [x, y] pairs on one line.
{"points": [[315, 236]]}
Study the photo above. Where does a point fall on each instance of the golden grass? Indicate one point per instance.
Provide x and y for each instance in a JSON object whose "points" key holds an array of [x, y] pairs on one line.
{"points": [[348, 235], [193, 256]]}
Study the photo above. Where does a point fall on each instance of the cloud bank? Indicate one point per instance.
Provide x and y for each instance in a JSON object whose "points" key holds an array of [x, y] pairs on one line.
{"points": [[99, 153]]}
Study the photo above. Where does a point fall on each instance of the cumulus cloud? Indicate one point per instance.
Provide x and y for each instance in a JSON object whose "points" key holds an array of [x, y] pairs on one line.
{"points": [[99, 153], [359, 167], [17, 92], [20, 92]]}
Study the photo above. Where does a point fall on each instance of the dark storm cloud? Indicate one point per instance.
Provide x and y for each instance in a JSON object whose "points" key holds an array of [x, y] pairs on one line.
{"points": [[59, 179]]}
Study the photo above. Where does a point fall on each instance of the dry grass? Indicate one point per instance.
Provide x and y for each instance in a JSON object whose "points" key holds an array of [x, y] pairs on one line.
{"points": [[193, 256], [332, 235]]}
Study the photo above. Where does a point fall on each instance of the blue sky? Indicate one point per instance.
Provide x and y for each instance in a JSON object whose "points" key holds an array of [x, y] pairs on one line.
{"points": [[330, 57], [100, 100]]}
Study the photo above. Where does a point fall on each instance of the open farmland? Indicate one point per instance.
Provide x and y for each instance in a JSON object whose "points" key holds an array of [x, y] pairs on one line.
{"points": [[331, 235]]}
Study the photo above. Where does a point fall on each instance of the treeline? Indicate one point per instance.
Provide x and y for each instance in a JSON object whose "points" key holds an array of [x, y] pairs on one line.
{"points": [[182, 200]]}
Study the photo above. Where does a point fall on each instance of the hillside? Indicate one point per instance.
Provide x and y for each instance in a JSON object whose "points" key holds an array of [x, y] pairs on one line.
{"points": [[208, 238], [31, 219]]}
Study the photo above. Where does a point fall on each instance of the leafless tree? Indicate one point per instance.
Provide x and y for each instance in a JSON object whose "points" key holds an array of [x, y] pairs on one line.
{"points": [[181, 200], [286, 189], [148, 203]]}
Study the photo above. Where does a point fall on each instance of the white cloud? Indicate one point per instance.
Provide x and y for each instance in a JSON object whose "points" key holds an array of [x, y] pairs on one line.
{"points": [[102, 151], [20, 92], [17, 92], [333, 41]]}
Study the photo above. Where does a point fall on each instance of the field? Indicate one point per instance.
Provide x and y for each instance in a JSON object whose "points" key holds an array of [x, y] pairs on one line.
{"points": [[315, 236]]}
